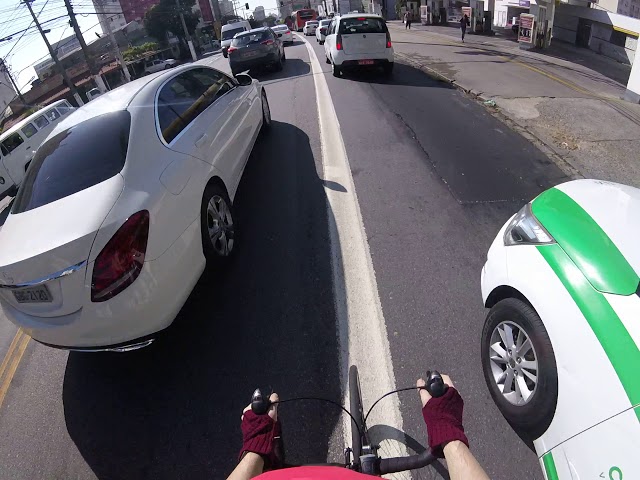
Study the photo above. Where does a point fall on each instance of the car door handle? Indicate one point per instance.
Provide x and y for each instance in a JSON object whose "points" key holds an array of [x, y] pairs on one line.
{"points": [[199, 142]]}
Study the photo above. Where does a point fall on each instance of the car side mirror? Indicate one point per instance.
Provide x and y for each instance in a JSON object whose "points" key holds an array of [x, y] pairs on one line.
{"points": [[323, 31], [244, 79]]}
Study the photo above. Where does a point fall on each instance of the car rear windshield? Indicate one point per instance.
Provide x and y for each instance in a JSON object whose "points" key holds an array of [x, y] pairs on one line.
{"points": [[75, 159], [249, 38], [229, 34], [362, 25]]}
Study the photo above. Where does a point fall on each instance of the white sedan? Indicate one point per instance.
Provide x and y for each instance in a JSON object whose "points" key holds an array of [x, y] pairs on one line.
{"points": [[153, 66], [321, 31], [283, 32], [560, 344], [125, 204], [310, 27]]}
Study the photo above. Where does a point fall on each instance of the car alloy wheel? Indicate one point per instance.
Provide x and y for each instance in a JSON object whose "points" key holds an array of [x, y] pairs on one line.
{"points": [[519, 366], [220, 226], [513, 362]]}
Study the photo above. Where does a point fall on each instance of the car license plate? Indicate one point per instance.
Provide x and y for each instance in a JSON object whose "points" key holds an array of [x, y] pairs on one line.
{"points": [[365, 62], [39, 294], [250, 54]]}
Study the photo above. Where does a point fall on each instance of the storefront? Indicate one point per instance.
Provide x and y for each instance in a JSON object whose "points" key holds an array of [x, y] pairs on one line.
{"points": [[508, 11]]}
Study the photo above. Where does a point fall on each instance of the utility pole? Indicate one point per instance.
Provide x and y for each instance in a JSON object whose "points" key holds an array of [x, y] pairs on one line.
{"points": [[65, 77], [13, 82], [114, 44], [186, 33], [93, 69]]}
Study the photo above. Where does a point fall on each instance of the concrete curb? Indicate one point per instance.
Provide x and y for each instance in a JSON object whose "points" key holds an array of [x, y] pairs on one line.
{"points": [[561, 161]]}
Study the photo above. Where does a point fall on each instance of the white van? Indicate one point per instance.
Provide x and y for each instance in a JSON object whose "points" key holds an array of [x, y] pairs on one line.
{"points": [[20, 142], [229, 31]]}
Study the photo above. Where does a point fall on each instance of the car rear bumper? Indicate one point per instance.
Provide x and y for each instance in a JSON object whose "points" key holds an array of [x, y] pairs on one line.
{"points": [[256, 62], [356, 63], [341, 58], [149, 305]]}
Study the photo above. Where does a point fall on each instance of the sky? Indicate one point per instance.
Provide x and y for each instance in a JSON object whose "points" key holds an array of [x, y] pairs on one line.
{"points": [[21, 53]]}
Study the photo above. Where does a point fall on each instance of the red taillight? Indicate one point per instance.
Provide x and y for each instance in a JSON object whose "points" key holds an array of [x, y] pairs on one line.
{"points": [[388, 40], [231, 49], [267, 42], [120, 261], [339, 42], [361, 19]]}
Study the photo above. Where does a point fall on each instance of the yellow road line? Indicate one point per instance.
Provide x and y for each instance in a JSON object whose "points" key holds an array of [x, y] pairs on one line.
{"points": [[11, 362]]}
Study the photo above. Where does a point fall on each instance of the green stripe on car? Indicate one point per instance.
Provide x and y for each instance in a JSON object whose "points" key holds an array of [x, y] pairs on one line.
{"points": [[584, 241], [550, 466], [618, 345]]}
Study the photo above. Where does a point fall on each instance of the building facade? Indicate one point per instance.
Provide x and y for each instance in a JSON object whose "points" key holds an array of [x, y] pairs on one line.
{"points": [[62, 48], [258, 14], [7, 92], [629, 8], [109, 14]]}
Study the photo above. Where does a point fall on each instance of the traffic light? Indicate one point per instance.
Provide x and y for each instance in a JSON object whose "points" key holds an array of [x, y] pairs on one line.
{"points": [[246, 5]]}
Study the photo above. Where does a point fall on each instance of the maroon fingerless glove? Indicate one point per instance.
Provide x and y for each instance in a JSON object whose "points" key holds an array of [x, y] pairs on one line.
{"points": [[261, 435], [443, 416]]}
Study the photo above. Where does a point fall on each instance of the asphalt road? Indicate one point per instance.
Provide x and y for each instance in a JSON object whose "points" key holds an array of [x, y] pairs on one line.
{"points": [[436, 176]]}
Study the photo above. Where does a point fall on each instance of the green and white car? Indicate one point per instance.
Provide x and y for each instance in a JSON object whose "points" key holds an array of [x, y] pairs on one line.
{"points": [[560, 343]]}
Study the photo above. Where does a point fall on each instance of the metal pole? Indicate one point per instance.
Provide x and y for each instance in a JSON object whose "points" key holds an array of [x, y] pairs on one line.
{"points": [[93, 70], [65, 77], [217, 22], [114, 44], [186, 32], [6, 69]]}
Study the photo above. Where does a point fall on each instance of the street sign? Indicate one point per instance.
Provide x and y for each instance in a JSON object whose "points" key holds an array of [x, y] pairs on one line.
{"points": [[525, 32]]}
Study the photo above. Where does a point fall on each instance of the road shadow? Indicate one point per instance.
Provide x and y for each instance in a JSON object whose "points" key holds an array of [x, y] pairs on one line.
{"points": [[293, 67], [172, 410], [403, 75]]}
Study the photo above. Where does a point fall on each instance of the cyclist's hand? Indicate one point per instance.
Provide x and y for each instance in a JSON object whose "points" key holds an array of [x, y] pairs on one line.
{"points": [[443, 416], [261, 434]]}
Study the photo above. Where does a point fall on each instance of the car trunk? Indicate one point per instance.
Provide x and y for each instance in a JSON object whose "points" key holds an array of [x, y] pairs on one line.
{"points": [[49, 261], [251, 51], [363, 43]]}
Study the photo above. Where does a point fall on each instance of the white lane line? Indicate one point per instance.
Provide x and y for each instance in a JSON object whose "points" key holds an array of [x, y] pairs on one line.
{"points": [[361, 325]]}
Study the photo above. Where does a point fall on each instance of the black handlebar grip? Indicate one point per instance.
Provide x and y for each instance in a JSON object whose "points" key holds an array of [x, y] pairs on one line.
{"points": [[435, 384], [259, 404], [401, 464]]}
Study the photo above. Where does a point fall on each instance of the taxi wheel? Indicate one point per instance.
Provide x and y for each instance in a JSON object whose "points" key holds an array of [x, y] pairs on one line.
{"points": [[519, 366]]}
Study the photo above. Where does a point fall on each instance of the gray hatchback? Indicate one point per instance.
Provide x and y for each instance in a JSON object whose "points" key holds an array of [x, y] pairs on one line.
{"points": [[256, 48]]}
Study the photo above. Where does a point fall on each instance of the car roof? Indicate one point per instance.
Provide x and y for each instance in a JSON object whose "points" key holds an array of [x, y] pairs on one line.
{"points": [[231, 26], [254, 30], [360, 15]]}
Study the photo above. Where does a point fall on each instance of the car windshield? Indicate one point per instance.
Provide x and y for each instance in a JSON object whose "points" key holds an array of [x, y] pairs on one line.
{"points": [[324, 23], [249, 38], [229, 34], [362, 25], [312, 24], [75, 159]]}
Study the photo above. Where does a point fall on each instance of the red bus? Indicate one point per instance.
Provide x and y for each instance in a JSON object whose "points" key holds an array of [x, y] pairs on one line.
{"points": [[299, 17]]}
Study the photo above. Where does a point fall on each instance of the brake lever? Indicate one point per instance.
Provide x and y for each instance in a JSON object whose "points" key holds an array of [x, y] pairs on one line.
{"points": [[259, 403], [435, 384]]}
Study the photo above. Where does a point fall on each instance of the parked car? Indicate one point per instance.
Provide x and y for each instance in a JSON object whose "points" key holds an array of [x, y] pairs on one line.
{"points": [[321, 31], [356, 41], [256, 48], [310, 27], [283, 33], [124, 206], [19, 143], [153, 66], [93, 93], [230, 30], [559, 346]]}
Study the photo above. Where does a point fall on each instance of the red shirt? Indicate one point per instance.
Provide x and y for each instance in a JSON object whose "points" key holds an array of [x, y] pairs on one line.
{"points": [[314, 473]]}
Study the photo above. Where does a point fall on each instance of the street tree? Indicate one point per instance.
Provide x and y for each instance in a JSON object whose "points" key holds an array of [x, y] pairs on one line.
{"points": [[165, 17]]}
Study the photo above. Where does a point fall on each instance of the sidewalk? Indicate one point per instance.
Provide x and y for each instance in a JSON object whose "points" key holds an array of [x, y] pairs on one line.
{"points": [[568, 100]]}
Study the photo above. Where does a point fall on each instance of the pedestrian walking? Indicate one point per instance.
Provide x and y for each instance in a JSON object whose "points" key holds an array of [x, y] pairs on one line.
{"points": [[408, 22], [464, 21]]}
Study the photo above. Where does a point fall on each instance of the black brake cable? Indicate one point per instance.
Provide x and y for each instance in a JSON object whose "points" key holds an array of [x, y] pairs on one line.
{"points": [[327, 401], [386, 395]]}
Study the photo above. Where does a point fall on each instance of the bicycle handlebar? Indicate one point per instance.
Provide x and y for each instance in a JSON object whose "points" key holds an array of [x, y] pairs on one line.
{"points": [[400, 464]]}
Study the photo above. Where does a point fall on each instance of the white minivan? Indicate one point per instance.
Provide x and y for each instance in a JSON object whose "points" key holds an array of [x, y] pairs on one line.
{"points": [[230, 30], [20, 142]]}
